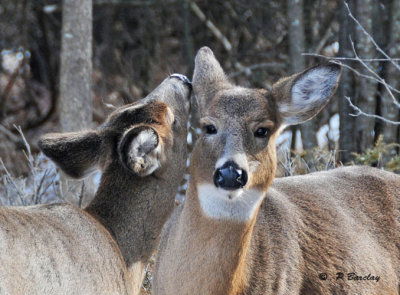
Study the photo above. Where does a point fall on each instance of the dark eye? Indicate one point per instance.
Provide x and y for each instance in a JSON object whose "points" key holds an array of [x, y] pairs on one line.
{"points": [[262, 132], [210, 129]]}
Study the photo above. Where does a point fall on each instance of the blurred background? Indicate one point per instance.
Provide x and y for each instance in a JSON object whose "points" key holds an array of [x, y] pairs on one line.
{"points": [[64, 65]]}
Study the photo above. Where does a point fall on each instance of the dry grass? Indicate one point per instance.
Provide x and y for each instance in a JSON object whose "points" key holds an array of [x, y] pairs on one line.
{"points": [[40, 185], [291, 163]]}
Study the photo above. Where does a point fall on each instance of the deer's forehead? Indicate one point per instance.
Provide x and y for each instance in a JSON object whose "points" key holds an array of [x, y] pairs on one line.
{"points": [[243, 104]]}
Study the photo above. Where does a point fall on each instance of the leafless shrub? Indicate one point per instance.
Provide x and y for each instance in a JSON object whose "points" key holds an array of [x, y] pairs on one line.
{"points": [[291, 163], [41, 185]]}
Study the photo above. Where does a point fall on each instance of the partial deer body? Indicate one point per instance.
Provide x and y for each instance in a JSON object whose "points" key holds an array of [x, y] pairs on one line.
{"points": [[241, 232], [61, 249]]}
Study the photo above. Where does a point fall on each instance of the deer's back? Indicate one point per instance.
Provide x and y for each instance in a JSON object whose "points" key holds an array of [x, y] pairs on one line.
{"points": [[57, 249], [345, 220]]}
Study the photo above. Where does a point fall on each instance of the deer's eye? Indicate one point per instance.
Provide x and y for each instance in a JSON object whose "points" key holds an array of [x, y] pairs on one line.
{"points": [[175, 125], [262, 132], [210, 129]]}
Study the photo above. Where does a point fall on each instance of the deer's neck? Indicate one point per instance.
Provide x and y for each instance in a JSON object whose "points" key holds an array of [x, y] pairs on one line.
{"points": [[134, 210], [219, 247]]}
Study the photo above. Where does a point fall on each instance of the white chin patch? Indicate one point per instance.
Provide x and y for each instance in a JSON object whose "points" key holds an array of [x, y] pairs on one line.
{"points": [[238, 205]]}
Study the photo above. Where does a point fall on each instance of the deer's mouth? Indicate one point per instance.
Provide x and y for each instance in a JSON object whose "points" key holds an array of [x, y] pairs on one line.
{"points": [[232, 195], [237, 205]]}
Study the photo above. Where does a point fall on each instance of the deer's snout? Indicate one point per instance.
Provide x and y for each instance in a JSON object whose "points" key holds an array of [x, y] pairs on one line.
{"points": [[230, 176]]}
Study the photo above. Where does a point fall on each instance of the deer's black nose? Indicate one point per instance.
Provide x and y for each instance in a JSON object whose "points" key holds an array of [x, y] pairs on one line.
{"points": [[230, 176]]}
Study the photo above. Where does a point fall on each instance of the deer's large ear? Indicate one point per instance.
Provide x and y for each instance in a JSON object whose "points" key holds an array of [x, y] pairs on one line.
{"points": [[76, 153], [303, 95], [208, 77], [140, 150]]}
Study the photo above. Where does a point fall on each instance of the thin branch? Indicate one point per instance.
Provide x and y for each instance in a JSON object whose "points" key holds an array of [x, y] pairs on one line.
{"points": [[210, 25], [31, 162], [349, 58], [9, 134], [374, 77], [10, 178], [36, 197], [360, 112], [324, 38], [370, 37], [363, 75], [382, 81], [28, 147], [4, 95], [362, 62], [249, 69], [39, 200], [215, 31]]}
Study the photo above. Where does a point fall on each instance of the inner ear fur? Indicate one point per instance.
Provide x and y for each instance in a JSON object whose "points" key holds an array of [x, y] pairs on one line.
{"points": [[140, 150], [302, 96], [76, 153]]}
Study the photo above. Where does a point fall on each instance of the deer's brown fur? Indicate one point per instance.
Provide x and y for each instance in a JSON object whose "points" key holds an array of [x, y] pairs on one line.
{"points": [[275, 236], [61, 249]]}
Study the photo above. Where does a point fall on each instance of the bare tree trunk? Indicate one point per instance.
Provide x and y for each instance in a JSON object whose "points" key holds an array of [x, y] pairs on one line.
{"points": [[76, 80], [346, 88], [297, 62], [189, 56], [388, 108], [296, 34], [76, 66], [366, 89]]}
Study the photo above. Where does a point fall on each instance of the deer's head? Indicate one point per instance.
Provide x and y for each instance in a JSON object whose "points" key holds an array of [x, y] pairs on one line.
{"points": [[234, 160], [139, 136]]}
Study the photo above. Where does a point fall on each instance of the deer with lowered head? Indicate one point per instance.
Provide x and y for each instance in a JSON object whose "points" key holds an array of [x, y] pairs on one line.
{"points": [[103, 249], [242, 232]]}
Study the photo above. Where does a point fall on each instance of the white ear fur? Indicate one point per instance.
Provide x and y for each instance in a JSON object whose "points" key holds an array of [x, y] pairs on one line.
{"points": [[310, 92], [144, 153]]}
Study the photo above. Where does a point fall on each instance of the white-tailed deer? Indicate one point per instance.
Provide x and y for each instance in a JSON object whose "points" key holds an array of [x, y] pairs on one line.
{"points": [[241, 232], [61, 249]]}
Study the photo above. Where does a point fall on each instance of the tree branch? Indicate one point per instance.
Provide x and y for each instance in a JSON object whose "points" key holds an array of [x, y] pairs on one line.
{"points": [[360, 112], [371, 38], [349, 58], [210, 25], [247, 70]]}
